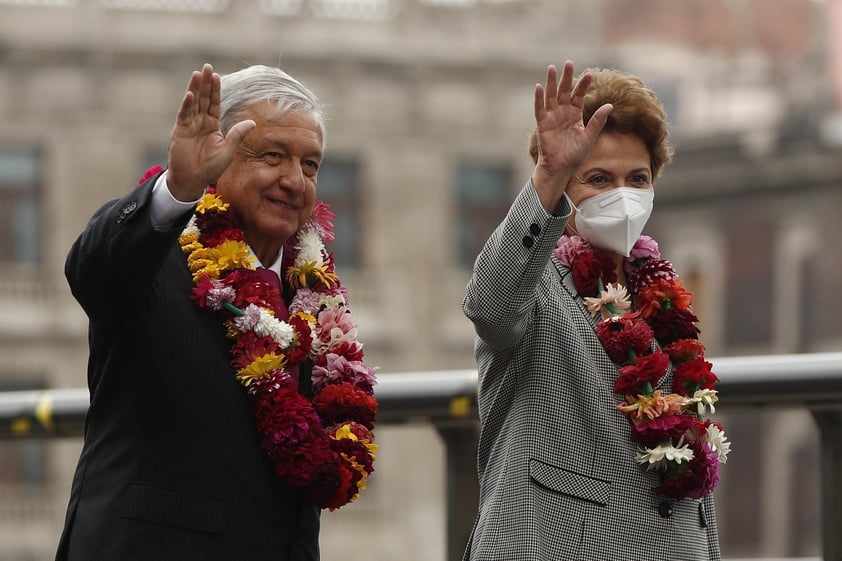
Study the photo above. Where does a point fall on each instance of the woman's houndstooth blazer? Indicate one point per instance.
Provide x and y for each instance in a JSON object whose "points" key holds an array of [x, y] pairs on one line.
{"points": [[558, 478]]}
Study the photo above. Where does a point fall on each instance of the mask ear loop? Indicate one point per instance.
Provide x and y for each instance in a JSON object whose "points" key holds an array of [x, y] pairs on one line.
{"points": [[571, 223]]}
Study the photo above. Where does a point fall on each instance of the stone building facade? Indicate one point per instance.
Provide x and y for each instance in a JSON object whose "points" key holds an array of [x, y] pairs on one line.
{"points": [[430, 111]]}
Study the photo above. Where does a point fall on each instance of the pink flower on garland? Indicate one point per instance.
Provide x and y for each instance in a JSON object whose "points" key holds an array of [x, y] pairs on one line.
{"points": [[569, 247], [338, 369], [645, 248], [322, 218]]}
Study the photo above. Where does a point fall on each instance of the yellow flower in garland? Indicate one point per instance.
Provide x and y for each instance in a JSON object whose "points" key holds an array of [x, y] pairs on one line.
{"points": [[211, 261], [189, 242], [210, 201], [260, 367], [309, 274]]}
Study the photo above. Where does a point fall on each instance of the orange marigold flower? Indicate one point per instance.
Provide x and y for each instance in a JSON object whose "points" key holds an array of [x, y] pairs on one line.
{"points": [[664, 295]]}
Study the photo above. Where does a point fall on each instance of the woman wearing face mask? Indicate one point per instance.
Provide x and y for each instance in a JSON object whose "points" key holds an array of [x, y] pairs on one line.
{"points": [[595, 397]]}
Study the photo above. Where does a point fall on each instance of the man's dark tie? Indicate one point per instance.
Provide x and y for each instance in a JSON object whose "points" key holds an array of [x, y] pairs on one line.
{"points": [[268, 276]]}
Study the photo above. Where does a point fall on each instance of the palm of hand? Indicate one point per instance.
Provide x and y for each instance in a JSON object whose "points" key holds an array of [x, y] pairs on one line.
{"points": [[564, 140]]}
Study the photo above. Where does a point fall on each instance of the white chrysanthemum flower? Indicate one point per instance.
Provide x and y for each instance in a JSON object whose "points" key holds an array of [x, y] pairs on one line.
{"points": [[191, 227], [270, 326], [309, 248], [718, 442], [614, 296], [701, 399], [331, 300], [658, 457], [248, 321]]}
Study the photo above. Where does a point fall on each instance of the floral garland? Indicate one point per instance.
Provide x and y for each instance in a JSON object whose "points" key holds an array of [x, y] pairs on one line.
{"points": [[322, 447], [672, 432]]}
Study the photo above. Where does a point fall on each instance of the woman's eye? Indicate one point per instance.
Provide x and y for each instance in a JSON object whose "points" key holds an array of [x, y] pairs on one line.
{"points": [[640, 179], [598, 180]]}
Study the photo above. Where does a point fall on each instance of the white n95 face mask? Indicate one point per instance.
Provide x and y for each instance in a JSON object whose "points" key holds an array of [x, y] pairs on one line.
{"points": [[615, 219]]}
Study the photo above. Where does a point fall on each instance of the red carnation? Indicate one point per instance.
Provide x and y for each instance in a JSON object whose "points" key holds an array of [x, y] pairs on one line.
{"points": [[648, 368], [213, 238], [356, 450], [674, 324], [693, 375], [684, 349], [343, 402], [215, 219], [199, 293], [332, 486], [588, 268], [252, 289], [666, 428], [621, 335], [149, 174], [303, 342]]}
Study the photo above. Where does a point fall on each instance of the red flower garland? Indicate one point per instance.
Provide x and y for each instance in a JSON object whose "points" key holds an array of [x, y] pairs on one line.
{"points": [[321, 447], [671, 431]]}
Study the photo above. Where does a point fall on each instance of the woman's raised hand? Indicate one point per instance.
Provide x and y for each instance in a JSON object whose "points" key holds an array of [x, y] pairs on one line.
{"points": [[564, 141]]}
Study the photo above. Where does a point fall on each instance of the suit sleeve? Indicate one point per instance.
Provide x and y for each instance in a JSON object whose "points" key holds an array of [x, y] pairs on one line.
{"points": [[503, 287], [111, 265]]}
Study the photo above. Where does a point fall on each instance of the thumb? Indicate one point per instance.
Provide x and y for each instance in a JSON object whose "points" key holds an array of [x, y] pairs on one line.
{"points": [[598, 120], [238, 133]]}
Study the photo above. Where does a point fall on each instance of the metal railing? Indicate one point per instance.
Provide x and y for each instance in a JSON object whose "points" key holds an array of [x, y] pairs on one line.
{"points": [[447, 400]]}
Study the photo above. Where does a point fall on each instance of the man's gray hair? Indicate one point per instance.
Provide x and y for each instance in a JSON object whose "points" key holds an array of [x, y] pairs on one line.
{"points": [[258, 83]]}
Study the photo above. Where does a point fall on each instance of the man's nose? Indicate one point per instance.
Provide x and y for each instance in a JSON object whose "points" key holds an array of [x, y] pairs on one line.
{"points": [[292, 176]]}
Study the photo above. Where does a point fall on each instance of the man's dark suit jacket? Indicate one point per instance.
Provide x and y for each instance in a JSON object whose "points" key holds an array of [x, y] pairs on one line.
{"points": [[171, 467]]}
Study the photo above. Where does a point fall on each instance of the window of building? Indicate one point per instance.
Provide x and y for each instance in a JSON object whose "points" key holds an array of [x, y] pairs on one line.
{"points": [[484, 197], [339, 186], [748, 296], [20, 206]]}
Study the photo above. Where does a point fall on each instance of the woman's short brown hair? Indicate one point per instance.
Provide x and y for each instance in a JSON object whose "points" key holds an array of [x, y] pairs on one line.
{"points": [[637, 110]]}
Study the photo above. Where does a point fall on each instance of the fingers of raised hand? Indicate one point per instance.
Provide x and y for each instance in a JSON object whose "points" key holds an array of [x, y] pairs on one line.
{"points": [[551, 88], [565, 86], [208, 81], [540, 109]]}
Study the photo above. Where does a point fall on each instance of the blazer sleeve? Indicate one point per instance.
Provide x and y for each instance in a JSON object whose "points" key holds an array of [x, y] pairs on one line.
{"points": [[111, 265], [504, 285]]}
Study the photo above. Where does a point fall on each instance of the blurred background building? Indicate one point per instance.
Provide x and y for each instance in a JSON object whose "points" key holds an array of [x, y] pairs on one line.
{"points": [[430, 111]]}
